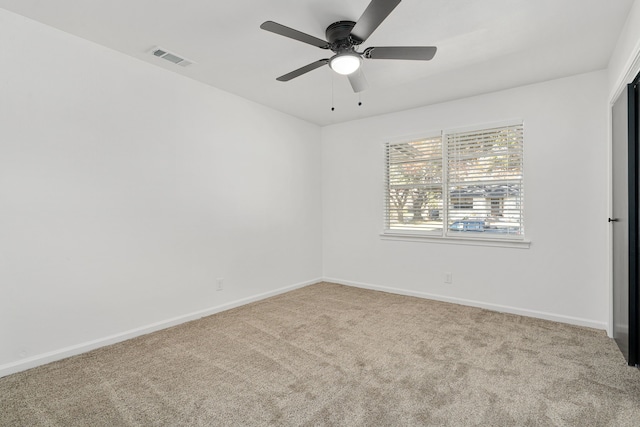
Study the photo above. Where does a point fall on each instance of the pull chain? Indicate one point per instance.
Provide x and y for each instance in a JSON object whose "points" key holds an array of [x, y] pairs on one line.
{"points": [[332, 93]]}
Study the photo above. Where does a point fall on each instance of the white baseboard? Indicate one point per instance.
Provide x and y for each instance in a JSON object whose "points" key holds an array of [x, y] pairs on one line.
{"points": [[52, 356], [494, 307]]}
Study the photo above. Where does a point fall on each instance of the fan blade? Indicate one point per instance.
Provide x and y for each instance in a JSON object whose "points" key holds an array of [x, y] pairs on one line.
{"points": [[274, 27], [303, 70], [358, 81], [420, 53], [376, 12]]}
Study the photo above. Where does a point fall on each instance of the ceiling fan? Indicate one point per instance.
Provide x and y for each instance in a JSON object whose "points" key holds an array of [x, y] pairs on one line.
{"points": [[344, 36]]}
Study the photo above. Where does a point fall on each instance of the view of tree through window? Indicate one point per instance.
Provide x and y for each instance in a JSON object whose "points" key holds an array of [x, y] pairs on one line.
{"points": [[471, 181], [415, 182]]}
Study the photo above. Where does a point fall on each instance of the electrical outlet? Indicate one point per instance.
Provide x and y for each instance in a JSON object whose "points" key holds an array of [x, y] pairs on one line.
{"points": [[448, 277], [220, 282]]}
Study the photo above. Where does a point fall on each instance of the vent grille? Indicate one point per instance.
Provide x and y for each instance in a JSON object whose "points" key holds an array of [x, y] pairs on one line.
{"points": [[171, 57]]}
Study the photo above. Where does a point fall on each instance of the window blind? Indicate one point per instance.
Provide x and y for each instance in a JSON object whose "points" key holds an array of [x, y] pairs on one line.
{"points": [[485, 181], [414, 186]]}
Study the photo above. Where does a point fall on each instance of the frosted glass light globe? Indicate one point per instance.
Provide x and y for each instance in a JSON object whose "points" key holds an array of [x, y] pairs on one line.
{"points": [[345, 64]]}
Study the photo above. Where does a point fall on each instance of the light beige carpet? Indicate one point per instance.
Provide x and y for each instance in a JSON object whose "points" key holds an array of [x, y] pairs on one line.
{"points": [[334, 355]]}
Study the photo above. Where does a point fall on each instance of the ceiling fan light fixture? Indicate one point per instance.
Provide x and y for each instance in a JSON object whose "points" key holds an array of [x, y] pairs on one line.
{"points": [[345, 63]]}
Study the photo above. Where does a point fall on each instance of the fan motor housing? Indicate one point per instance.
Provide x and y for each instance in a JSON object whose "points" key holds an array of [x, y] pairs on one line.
{"points": [[339, 35]]}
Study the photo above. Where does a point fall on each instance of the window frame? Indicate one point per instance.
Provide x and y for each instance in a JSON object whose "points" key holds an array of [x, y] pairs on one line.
{"points": [[444, 235]]}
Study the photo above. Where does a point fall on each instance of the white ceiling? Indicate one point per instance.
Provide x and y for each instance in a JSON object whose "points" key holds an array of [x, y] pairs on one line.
{"points": [[483, 45]]}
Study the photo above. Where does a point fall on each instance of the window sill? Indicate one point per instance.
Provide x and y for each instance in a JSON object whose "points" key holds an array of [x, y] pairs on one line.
{"points": [[469, 241]]}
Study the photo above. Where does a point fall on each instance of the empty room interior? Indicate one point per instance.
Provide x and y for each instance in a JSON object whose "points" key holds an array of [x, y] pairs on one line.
{"points": [[206, 220]]}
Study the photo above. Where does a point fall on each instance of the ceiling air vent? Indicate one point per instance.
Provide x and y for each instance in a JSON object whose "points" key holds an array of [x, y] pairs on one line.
{"points": [[171, 57]]}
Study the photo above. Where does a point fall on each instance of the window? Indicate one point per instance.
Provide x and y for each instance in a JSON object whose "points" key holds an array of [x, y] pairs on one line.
{"points": [[457, 184], [415, 185], [462, 202]]}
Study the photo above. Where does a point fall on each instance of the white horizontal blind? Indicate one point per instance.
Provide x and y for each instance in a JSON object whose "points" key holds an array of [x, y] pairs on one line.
{"points": [[414, 183], [485, 182]]}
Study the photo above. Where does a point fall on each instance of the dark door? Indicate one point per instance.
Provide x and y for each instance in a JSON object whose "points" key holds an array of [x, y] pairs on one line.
{"points": [[620, 207], [625, 222], [634, 224]]}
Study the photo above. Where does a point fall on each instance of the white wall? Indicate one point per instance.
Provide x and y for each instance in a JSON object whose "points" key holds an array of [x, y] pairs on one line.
{"points": [[562, 276], [126, 190]]}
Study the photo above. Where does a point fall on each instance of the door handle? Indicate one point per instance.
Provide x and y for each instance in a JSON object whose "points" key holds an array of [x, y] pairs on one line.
{"points": [[613, 220]]}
